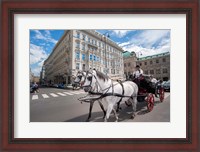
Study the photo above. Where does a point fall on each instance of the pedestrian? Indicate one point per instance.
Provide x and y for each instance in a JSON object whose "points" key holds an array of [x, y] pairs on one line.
{"points": [[35, 87]]}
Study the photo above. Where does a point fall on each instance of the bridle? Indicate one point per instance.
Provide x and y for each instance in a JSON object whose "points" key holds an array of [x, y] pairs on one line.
{"points": [[97, 84], [80, 77]]}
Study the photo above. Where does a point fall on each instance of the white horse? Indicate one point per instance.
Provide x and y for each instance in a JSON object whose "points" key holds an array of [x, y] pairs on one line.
{"points": [[111, 91], [80, 78]]}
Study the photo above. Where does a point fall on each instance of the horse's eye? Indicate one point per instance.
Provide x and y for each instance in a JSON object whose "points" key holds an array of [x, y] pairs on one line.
{"points": [[79, 76], [89, 78]]}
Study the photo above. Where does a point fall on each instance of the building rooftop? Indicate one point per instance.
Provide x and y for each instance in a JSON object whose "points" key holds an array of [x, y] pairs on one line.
{"points": [[127, 54], [154, 56]]}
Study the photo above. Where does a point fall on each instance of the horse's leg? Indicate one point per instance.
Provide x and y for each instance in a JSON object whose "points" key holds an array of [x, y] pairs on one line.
{"points": [[115, 113], [90, 110], [109, 109], [102, 107], [134, 106], [118, 105]]}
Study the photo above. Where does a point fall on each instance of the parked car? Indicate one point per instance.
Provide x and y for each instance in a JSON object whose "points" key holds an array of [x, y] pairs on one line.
{"points": [[55, 85], [61, 86], [166, 86]]}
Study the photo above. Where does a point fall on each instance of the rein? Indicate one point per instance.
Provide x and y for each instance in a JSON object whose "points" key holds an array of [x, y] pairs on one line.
{"points": [[105, 94]]}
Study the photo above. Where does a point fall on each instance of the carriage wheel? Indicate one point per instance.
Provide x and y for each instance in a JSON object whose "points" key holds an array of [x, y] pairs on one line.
{"points": [[150, 101], [161, 94]]}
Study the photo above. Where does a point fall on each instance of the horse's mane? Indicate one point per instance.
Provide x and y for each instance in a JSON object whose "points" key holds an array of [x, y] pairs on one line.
{"points": [[102, 75]]}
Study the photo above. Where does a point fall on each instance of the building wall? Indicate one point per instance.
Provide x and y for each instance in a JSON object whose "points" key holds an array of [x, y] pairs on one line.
{"points": [[158, 66], [81, 50], [129, 65]]}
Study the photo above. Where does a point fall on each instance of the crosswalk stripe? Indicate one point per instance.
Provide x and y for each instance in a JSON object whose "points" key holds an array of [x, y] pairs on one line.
{"points": [[75, 92], [61, 94], [68, 93], [45, 96], [54, 95], [80, 91], [34, 97]]}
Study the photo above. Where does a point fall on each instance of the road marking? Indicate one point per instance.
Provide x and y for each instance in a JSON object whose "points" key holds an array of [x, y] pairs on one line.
{"points": [[54, 95], [45, 96], [75, 92], [34, 97], [68, 93], [61, 94], [81, 91]]}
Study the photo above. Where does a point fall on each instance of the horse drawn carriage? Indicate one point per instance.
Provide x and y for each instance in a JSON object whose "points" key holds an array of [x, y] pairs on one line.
{"points": [[101, 88], [147, 90]]}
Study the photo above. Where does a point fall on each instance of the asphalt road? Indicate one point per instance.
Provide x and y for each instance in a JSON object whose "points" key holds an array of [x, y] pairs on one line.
{"points": [[60, 105]]}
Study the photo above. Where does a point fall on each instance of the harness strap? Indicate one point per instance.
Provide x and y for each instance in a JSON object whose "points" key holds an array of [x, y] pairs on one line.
{"points": [[118, 103]]}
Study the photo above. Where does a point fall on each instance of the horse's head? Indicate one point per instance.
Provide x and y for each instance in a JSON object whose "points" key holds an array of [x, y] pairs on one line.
{"points": [[80, 77], [90, 80]]}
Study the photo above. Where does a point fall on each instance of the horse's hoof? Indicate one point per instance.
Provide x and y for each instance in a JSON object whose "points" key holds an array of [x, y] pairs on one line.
{"points": [[133, 116]]}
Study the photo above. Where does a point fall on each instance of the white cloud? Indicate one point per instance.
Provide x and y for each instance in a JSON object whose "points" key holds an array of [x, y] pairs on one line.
{"points": [[148, 42], [36, 70], [124, 44], [148, 38], [37, 54], [46, 37], [120, 33]]}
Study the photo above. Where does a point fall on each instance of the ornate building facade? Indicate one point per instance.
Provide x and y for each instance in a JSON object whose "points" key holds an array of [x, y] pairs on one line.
{"points": [[156, 65], [82, 50], [130, 60]]}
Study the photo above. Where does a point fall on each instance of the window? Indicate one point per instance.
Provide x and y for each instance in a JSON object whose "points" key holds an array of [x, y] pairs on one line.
{"points": [[83, 37], [146, 72], [94, 58], [97, 59], [145, 63], [165, 70], [151, 71], [83, 47], [91, 57], [164, 59], [157, 71], [83, 67], [99, 44], [129, 64], [77, 55], [77, 66], [157, 61], [78, 34], [88, 39], [77, 44], [83, 57], [151, 62]]}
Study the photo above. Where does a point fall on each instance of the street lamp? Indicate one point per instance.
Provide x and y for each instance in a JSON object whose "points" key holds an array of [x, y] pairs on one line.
{"points": [[138, 54]]}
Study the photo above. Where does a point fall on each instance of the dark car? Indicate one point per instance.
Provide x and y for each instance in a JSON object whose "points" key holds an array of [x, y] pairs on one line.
{"points": [[166, 86]]}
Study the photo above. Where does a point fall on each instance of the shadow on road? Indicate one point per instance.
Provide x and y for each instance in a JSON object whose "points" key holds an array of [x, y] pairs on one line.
{"points": [[124, 114]]}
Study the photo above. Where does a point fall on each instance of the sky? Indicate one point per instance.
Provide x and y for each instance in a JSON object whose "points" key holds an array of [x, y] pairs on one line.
{"points": [[143, 42]]}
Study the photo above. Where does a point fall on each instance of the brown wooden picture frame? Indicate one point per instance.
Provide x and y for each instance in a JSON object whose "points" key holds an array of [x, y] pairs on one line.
{"points": [[12, 7]]}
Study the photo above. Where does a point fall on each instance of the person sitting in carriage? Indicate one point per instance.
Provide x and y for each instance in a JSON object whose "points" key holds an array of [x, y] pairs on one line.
{"points": [[136, 74]]}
